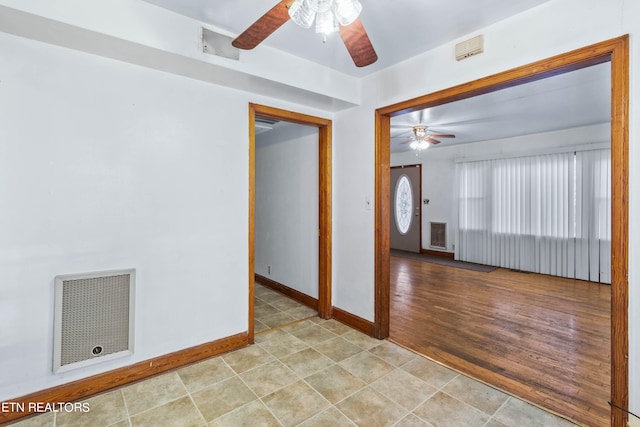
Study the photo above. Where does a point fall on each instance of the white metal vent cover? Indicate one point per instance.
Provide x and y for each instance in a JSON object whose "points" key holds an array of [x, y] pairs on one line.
{"points": [[93, 318]]}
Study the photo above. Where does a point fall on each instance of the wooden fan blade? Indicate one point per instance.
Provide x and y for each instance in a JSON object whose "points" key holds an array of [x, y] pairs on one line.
{"points": [[443, 135], [357, 41], [405, 142], [433, 141], [264, 26]]}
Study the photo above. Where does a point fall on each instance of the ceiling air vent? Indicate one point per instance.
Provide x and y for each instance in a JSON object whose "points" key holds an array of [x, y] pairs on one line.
{"points": [[470, 47], [264, 124]]}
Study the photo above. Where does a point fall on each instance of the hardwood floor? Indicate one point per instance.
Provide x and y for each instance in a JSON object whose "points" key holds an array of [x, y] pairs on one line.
{"points": [[542, 338]]}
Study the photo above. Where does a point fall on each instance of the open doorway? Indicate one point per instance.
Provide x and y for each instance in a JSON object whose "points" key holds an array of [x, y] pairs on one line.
{"points": [[321, 128], [614, 52]]}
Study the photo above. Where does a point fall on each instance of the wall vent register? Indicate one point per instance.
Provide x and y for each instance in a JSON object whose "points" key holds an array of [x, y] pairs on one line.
{"points": [[93, 318]]}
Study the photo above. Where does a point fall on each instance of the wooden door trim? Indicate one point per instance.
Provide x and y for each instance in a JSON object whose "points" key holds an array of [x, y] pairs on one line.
{"points": [[324, 202], [615, 51]]}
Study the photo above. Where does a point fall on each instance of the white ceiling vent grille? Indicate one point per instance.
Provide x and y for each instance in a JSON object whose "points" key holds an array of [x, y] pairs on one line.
{"points": [[93, 318], [470, 47]]}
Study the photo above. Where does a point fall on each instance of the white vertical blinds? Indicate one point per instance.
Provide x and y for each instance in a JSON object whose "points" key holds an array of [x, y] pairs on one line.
{"points": [[547, 213]]}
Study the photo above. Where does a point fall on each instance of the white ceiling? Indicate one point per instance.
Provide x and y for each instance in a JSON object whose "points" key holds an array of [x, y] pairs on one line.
{"points": [[398, 29], [575, 99], [401, 29]]}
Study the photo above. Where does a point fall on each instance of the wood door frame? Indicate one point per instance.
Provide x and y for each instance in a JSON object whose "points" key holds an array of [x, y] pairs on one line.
{"points": [[615, 51], [419, 165], [324, 203]]}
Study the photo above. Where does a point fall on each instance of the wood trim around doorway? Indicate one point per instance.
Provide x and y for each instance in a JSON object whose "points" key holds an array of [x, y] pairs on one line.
{"points": [[324, 202], [615, 51]]}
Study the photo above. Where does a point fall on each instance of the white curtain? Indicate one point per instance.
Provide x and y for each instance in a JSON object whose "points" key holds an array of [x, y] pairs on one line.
{"points": [[548, 214]]}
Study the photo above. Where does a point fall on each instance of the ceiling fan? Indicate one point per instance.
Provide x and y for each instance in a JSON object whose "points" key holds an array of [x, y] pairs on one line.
{"points": [[419, 135], [330, 16]]}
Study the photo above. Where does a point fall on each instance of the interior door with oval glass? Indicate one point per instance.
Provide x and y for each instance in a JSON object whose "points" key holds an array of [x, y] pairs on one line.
{"points": [[406, 210]]}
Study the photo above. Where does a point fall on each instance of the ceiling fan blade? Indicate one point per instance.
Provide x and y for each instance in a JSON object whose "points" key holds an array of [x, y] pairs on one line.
{"points": [[442, 135], [406, 141], [357, 41], [433, 141], [264, 26], [421, 116]]}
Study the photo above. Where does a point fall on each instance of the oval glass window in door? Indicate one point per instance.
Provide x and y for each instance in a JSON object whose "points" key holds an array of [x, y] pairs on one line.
{"points": [[404, 204]]}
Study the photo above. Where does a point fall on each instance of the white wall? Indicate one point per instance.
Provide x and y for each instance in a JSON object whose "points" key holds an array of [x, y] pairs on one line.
{"points": [[286, 215], [439, 166], [106, 165], [553, 28]]}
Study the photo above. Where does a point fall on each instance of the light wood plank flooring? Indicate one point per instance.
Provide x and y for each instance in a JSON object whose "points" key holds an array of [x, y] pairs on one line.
{"points": [[545, 339]]}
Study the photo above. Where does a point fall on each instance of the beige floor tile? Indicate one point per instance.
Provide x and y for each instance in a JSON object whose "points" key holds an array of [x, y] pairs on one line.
{"points": [[247, 358], [444, 410], [366, 366], [270, 335], [404, 389], [306, 362], [180, 412], [338, 349], [271, 296], [153, 392], [265, 310], [429, 371], [301, 312], [268, 378], [361, 340], [328, 418], [335, 326], [258, 326], [313, 334], [412, 421], [285, 303], [203, 374], [299, 326], [253, 414], [123, 423], [369, 408], [283, 345], [222, 397], [295, 403], [278, 319], [476, 394], [335, 383], [393, 354], [515, 412], [494, 423], [105, 409], [43, 420]]}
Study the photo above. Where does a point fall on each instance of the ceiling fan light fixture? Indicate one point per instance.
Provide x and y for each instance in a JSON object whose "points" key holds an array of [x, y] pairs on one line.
{"points": [[326, 23], [301, 13], [347, 11], [420, 132]]}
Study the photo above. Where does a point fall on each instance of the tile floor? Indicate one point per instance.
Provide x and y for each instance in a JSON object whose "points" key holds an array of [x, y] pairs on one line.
{"points": [[306, 372]]}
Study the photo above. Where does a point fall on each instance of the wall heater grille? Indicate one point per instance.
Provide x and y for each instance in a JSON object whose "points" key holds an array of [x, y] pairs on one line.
{"points": [[93, 318], [439, 235]]}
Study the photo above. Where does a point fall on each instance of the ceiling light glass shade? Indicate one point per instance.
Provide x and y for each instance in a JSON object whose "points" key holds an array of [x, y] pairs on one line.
{"points": [[347, 11], [320, 6], [419, 145], [301, 13], [326, 23]]}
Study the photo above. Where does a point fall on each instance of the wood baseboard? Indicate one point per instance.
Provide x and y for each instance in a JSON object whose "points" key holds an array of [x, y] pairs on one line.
{"points": [[354, 321], [86, 387], [290, 292], [443, 254]]}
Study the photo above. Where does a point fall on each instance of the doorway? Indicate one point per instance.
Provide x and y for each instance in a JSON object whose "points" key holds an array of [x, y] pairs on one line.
{"points": [[616, 52], [324, 203]]}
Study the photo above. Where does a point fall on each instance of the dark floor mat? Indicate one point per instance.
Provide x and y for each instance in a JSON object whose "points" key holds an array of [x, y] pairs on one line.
{"points": [[443, 261]]}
